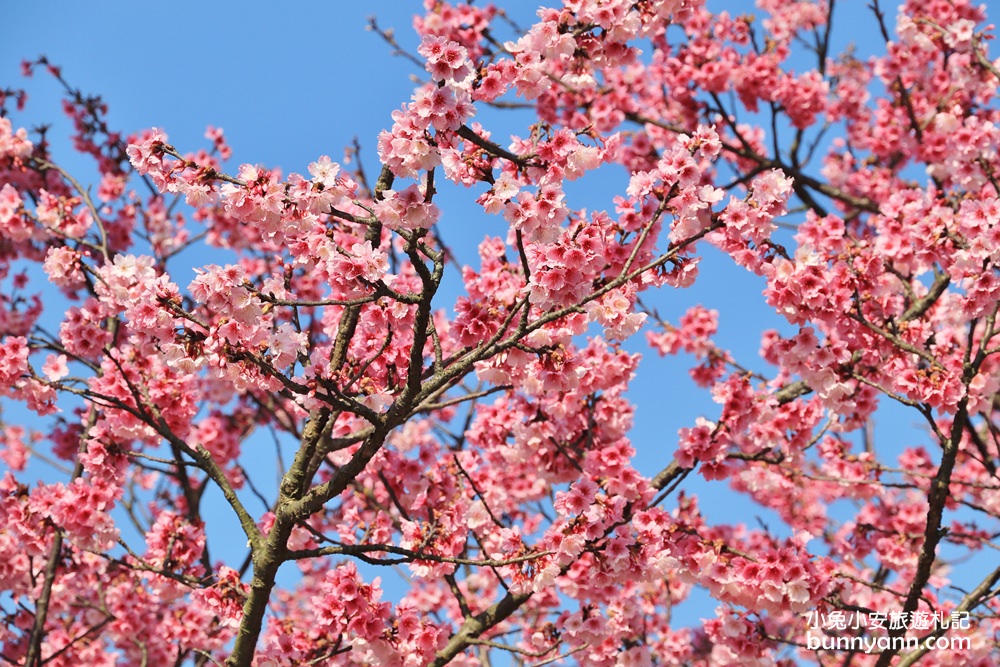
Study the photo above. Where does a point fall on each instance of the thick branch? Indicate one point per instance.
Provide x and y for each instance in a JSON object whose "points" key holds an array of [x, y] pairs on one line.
{"points": [[266, 561], [933, 531], [477, 625], [968, 603], [34, 656]]}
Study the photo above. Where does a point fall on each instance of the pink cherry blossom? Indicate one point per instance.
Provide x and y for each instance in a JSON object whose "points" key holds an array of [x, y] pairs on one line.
{"points": [[239, 401]]}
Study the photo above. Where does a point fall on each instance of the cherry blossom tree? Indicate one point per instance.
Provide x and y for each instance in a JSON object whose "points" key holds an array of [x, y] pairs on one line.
{"points": [[481, 444]]}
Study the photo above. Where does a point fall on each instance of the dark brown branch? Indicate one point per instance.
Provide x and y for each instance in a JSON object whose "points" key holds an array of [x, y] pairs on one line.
{"points": [[492, 148], [477, 625]]}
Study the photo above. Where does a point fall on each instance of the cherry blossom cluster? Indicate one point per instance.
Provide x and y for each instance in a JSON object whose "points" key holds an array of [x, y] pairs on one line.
{"points": [[465, 417]]}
